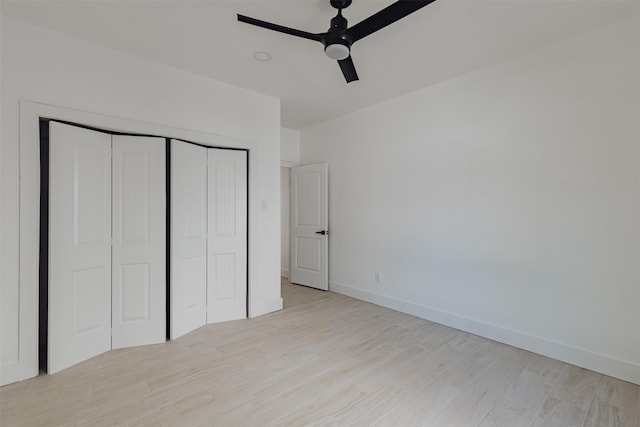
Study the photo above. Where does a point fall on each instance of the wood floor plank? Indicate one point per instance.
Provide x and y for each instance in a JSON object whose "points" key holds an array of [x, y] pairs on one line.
{"points": [[556, 413], [546, 368], [520, 402], [321, 410], [471, 366], [468, 409], [503, 372], [422, 407], [576, 386], [372, 407], [263, 412], [613, 404], [603, 415], [616, 392]]}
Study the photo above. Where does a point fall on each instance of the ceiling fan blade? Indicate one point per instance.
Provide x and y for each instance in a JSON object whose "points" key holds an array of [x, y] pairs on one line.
{"points": [[280, 28], [386, 16], [348, 69]]}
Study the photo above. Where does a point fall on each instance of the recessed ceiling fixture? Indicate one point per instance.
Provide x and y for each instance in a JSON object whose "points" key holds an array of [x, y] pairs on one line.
{"points": [[339, 38], [262, 56]]}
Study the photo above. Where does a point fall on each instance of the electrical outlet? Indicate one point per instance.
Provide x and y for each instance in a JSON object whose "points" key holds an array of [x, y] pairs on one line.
{"points": [[376, 277]]}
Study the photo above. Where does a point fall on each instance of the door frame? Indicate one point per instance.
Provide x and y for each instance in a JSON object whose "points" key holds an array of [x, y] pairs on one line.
{"points": [[26, 364], [43, 262], [310, 278], [43, 282]]}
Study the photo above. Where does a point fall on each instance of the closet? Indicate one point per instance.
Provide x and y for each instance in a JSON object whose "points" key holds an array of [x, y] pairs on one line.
{"points": [[107, 263], [208, 236], [112, 244]]}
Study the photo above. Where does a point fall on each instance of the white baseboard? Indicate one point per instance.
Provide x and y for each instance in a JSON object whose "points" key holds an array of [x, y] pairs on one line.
{"points": [[263, 307], [604, 364], [284, 273]]}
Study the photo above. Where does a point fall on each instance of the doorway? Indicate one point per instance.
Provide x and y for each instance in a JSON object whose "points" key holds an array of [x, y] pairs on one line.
{"points": [[309, 226], [285, 173]]}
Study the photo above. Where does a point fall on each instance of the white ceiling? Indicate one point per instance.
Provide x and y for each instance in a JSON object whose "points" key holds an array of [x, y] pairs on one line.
{"points": [[446, 39]]}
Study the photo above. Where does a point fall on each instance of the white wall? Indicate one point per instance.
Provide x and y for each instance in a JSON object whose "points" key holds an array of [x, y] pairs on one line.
{"points": [[289, 147], [50, 68], [284, 221], [505, 202]]}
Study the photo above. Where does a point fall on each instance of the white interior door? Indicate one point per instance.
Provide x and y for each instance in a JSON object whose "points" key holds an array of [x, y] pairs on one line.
{"points": [[139, 243], [227, 243], [309, 226], [188, 238], [79, 245]]}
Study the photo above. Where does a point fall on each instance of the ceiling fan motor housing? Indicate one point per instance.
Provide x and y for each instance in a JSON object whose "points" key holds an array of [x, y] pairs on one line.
{"points": [[340, 4]]}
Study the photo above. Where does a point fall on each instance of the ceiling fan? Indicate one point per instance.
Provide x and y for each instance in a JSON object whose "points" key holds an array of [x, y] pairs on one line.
{"points": [[339, 38]]}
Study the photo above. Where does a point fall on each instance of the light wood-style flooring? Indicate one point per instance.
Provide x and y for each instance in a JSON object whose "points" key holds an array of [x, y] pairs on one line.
{"points": [[326, 359]]}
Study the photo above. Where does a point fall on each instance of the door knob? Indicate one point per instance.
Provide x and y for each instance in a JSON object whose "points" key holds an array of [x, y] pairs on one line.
{"points": [[323, 232]]}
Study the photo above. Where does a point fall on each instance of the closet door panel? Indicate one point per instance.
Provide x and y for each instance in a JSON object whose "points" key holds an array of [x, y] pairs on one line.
{"points": [[139, 241], [79, 245], [227, 242], [188, 238]]}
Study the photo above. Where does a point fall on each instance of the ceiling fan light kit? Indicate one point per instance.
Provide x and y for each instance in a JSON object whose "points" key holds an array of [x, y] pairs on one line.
{"points": [[339, 38], [337, 51]]}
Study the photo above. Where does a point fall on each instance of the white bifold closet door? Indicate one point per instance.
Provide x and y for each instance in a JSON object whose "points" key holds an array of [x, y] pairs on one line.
{"points": [[101, 291], [227, 237], [79, 245], [208, 236], [188, 237], [139, 242]]}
